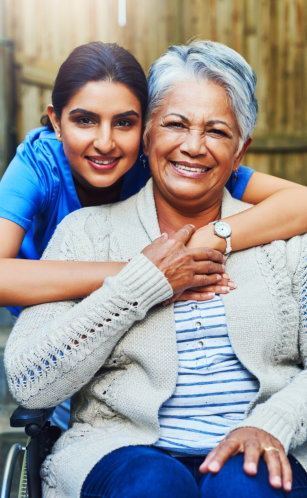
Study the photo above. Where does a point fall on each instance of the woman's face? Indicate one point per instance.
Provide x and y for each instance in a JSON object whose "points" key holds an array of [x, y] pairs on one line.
{"points": [[100, 129], [193, 145]]}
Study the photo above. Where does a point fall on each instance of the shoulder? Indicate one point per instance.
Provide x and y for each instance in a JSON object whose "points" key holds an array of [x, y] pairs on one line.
{"points": [[41, 149], [86, 217], [231, 206]]}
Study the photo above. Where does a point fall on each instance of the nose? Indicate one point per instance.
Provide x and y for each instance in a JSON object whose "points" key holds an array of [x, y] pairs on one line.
{"points": [[104, 140], [194, 143]]}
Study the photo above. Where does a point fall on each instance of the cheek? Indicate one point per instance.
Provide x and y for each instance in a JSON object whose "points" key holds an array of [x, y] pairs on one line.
{"points": [[131, 143]]}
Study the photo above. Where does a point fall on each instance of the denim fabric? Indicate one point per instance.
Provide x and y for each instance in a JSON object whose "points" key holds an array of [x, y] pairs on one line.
{"points": [[147, 472]]}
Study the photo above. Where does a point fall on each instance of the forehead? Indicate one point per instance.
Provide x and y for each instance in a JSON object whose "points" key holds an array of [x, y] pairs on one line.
{"points": [[201, 100], [108, 95]]}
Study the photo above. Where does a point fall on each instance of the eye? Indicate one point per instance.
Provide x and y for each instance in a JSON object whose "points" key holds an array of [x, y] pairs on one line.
{"points": [[216, 132], [123, 123], [84, 120], [176, 125]]}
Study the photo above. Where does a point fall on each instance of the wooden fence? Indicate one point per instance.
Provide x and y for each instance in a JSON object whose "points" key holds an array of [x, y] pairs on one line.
{"points": [[271, 34]]}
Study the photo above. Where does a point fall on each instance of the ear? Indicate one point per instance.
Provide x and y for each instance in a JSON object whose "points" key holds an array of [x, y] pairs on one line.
{"points": [[241, 153], [55, 121]]}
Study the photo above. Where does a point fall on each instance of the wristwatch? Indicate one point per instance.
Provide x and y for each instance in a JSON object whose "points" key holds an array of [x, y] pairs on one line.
{"points": [[223, 229]]}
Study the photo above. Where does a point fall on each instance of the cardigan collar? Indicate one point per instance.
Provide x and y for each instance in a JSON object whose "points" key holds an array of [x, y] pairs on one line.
{"points": [[146, 204]]}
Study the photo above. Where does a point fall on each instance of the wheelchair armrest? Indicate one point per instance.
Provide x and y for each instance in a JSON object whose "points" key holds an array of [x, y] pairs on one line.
{"points": [[32, 419]]}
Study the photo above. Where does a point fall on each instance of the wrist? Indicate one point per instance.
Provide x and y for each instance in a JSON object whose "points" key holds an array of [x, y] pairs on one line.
{"points": [[205, 237]]}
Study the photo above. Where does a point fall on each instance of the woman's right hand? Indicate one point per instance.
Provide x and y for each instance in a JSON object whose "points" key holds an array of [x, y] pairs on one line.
{"points": [[185, 268]]}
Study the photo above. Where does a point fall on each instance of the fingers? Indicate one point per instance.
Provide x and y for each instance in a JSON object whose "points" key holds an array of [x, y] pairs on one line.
{"points": [[193, 296], [205, 293], [184, 234], [208, 267], [252, 453], [206, 253], [280, 472], [217, 457], [254, 443]]}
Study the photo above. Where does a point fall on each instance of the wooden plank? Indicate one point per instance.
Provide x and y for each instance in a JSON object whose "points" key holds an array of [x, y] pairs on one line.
{"points": [[41, 73], [271, 34]]}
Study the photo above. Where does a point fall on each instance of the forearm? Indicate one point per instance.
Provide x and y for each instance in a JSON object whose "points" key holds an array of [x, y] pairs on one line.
{"points": [[64, 344], [280, 216], [24, 283]]}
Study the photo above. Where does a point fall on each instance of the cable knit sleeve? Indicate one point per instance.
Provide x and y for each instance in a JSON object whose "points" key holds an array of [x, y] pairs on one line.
{"points": [[284, 414], [56, 348]]}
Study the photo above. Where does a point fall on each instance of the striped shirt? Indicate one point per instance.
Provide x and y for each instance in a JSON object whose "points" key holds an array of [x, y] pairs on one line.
{"points": [[213, 388]]}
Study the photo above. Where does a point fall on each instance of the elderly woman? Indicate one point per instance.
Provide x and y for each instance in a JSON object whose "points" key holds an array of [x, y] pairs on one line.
{"points": [[198, 398]]}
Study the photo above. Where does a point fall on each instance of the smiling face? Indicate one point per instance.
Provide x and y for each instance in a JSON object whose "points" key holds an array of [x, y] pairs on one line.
{"points": [[100, 129], [192, 145]]}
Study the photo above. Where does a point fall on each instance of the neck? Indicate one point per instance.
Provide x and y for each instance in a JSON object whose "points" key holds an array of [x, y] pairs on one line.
{"points": [[96, 196], [172, 218]]}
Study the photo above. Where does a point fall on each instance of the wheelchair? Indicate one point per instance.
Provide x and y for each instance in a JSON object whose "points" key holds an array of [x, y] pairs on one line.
{"points": [[41, 437]]}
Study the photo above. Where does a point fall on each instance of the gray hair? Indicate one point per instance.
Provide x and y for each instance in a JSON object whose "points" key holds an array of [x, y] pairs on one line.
{"points": [[207, 60]]}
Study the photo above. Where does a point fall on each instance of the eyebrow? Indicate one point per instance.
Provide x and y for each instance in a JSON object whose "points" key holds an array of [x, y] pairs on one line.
{"points": [[209, 123], [79, 110]]}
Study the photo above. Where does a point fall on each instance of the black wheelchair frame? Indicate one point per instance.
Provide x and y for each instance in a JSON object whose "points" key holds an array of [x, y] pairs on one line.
{"points": [[41, 437]]}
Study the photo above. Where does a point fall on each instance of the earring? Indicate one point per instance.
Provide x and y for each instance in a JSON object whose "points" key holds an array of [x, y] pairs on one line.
{"points": [[144, 161], [59, 135], [235, 175]]}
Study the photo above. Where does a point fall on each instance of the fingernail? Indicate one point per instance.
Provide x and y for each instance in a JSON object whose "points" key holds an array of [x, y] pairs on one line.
{"points": [[218, 277], [210, 295], [225, 275], [213, 466], [251, 467], [232, 285], [276, 480], [288, 486], [224, 289]]}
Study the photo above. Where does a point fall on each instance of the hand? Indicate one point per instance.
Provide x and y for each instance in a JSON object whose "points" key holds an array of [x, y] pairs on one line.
{"points": [[254, 443], [183, 267], [224, 286]]}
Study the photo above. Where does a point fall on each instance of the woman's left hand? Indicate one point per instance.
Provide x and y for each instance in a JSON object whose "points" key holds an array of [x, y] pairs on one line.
{"points": [[254, 443]]}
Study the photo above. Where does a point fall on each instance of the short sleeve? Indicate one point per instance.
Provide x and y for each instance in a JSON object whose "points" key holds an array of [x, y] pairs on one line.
{"points": [[237, 183], [23, 186]]}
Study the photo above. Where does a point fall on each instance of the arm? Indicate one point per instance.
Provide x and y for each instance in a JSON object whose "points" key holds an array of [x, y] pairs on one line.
{"points": [[24, 190], [56, 348], [278, 424], [279, 213], [44, 280]]}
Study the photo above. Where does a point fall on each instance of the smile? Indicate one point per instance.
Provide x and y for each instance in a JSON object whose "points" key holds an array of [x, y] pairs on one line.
{"points": [[192, 169], [103, 164]]}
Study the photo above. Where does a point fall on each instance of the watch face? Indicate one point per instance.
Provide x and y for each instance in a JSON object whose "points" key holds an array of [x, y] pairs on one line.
{"points": [[222, 229]]}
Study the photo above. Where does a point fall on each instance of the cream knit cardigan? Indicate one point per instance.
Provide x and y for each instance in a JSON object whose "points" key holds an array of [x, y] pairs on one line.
{"points": [[120, 370]]}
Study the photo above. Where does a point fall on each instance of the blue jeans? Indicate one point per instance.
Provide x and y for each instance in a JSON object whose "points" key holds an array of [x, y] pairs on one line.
{"points": [[147, 472]]}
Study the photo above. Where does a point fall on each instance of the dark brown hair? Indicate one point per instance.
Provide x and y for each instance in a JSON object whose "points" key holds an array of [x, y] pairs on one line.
{"points": [[97, 61]]}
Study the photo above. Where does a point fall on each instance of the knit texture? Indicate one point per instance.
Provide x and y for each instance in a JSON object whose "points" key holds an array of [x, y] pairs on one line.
{"points": [[120, 369]]}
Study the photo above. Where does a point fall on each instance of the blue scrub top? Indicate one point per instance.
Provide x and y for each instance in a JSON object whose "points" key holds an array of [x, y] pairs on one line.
{"points": [[37, 190]]}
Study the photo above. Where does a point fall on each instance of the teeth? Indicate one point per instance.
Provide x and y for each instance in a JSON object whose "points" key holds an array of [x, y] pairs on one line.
{"points": [[187, 168], [103, 163]]}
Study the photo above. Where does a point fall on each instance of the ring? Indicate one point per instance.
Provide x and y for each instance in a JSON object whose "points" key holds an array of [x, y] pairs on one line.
{"points": [[271, 448]]}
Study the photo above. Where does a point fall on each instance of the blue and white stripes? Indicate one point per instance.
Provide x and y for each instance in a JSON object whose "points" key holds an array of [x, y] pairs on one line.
{"points": [[213, 388]]}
